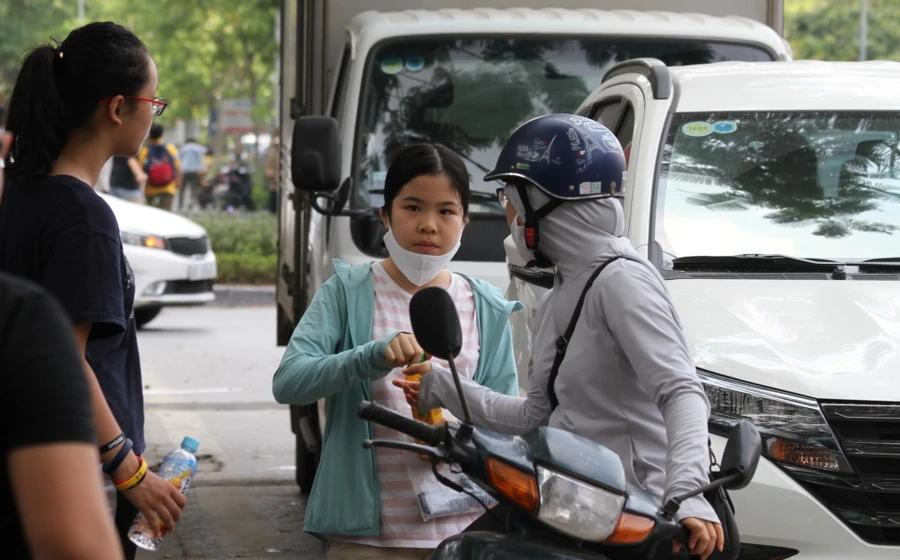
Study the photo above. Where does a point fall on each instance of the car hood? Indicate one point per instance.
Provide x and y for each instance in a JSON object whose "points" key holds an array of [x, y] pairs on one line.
{"points": [[823, 339], [140, 218]]}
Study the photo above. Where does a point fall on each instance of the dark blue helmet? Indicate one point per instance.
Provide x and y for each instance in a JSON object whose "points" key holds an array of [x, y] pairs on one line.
{"points": [[566, 156]]}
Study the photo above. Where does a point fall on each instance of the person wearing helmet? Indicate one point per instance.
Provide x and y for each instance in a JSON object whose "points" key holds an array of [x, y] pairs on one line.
{"points": [[624, 377]]}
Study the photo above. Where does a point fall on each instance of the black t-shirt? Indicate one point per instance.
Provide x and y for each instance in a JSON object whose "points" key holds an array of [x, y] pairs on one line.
{"points": [[43, 391], [121, 176], [57, 232]]}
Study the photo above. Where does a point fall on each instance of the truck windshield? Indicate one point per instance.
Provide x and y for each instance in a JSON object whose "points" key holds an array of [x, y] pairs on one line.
{"points": [[470, 94], [820, 185]]}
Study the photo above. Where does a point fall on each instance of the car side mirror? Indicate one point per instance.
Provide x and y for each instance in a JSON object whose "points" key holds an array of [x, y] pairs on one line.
{"points": [[741, 455], [316, 155]]}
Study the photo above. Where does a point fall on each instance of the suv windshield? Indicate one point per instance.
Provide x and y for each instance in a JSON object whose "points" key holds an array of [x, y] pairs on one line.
{"points": [[470, 94], [812, 185]]}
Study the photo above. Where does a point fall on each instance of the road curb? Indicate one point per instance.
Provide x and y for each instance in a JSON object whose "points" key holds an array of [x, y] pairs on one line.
{"points": [[243, 296]]}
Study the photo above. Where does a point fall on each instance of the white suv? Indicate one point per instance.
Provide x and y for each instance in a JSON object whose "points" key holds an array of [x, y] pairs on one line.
{"points": [[768, 195]]}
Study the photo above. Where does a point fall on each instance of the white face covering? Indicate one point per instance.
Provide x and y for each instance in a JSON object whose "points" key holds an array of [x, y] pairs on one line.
{"points": [[418, 268]]}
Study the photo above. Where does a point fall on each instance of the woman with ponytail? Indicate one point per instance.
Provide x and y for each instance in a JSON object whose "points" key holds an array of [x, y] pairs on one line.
{"points": [[75, 105]]}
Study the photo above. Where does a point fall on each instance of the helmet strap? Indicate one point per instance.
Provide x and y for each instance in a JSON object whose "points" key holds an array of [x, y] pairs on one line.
{"points": [[532, 230]]}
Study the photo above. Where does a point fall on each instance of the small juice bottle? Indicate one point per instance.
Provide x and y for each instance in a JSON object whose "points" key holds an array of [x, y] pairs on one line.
{"points": [[432, 416]]}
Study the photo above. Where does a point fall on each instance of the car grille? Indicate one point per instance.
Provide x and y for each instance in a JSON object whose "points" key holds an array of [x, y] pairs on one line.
{"points": [[867, 501], [188, 287], [188, 246]]}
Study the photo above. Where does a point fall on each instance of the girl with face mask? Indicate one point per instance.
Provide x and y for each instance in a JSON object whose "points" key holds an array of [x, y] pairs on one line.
{"points": [[354, 341]]}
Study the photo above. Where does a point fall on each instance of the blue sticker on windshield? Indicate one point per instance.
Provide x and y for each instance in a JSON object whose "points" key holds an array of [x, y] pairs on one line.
{"points": [[415, 63], [724, 127], [392, 64]]}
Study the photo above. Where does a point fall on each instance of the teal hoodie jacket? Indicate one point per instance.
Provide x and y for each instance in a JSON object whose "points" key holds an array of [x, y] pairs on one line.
{"points": [[331, 355]]}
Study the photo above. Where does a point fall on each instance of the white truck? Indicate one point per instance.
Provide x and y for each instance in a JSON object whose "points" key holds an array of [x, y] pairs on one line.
{"points": [[356, 84]]}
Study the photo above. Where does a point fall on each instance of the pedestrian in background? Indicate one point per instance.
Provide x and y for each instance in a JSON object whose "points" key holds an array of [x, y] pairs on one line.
{"points": [[193, 167], [159, 160], [127, 179], [272, 172]]}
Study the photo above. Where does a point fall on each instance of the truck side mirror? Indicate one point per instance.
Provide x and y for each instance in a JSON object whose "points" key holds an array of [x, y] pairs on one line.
{"points": [[316, 155]]}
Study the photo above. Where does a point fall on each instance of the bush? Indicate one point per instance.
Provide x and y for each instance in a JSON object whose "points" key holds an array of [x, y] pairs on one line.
{"points": [[246, 246], [254, 234], [247, 269]]}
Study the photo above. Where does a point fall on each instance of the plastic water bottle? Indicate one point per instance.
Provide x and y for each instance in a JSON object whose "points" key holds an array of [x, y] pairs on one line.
{"points": [[179, 468]]}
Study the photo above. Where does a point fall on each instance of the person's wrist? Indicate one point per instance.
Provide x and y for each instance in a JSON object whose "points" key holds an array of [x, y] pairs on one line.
{"points": [[129, 466]]}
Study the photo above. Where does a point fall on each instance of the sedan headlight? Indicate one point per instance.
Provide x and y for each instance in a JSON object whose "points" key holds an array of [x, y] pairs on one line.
{"points": [[576, 508], [793, 427], [150, 241]]}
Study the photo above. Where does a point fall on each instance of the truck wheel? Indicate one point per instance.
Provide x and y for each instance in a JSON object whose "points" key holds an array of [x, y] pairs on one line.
{"points": [[144, 315], [307, 463]]}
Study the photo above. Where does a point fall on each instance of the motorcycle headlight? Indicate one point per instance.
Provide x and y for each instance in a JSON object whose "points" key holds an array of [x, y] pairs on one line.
{"points": [[576, 508], [150, 241], [794, 429]]}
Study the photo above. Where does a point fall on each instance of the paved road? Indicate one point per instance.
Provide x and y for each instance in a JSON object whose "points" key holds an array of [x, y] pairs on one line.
{"points": [[207, 374]]}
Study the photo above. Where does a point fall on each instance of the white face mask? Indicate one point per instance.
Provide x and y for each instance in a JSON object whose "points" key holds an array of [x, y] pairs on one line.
{"points": [[418, 268], [518, 237]]}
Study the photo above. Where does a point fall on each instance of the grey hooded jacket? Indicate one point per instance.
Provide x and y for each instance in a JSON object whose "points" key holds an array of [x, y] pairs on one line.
{"points": [[627, 381]]}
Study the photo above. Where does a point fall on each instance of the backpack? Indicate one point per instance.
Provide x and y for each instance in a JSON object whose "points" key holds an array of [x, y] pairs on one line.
{"points": [[719, 499], [160, 165]]}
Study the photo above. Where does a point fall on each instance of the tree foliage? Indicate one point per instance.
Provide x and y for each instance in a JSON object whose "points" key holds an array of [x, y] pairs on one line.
{"points": [[205, 50], [830, 29], [25, 24]]}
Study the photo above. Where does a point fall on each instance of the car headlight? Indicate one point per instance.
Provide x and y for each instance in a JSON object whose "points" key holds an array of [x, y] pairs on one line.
{"points": [[793, 428], [150, 241], [576, 508]]}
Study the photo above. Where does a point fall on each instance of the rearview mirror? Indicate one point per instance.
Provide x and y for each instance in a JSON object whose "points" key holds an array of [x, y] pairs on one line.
{"points": [[741, 456], [435, 322], [316, 155]]}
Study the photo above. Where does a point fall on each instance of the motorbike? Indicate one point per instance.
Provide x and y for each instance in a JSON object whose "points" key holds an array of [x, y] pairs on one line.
{"points": [[567, 497]]}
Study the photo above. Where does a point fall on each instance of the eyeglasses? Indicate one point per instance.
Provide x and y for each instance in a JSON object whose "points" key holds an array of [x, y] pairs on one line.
{"points": [[501, 196], [157, 104]]}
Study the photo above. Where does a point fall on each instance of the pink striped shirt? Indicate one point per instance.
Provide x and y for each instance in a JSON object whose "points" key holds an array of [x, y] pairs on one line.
{"points": [[401, 521]]}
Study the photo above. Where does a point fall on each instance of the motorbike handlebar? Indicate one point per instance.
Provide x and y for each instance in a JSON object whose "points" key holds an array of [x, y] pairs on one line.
{"points": [[682, 535], [430, 435]]}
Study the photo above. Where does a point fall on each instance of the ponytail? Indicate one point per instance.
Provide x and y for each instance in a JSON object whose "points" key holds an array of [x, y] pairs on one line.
{"points": [[58, 90], [36, 115]]}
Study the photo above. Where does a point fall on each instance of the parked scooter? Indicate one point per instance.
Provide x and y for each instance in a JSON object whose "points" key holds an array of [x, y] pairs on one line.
{"points": [[567, 496]]}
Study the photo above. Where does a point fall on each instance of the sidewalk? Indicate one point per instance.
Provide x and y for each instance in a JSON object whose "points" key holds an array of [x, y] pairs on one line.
{"points": [[228, 295]]}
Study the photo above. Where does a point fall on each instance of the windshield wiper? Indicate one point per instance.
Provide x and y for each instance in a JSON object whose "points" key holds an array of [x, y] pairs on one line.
{"points": [[754, 262], [785, 263], [879, 260]]}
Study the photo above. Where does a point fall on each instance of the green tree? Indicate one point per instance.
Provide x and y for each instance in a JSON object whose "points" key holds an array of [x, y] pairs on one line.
{"points": [[829, 29], [205, 50], [23, 25]]}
